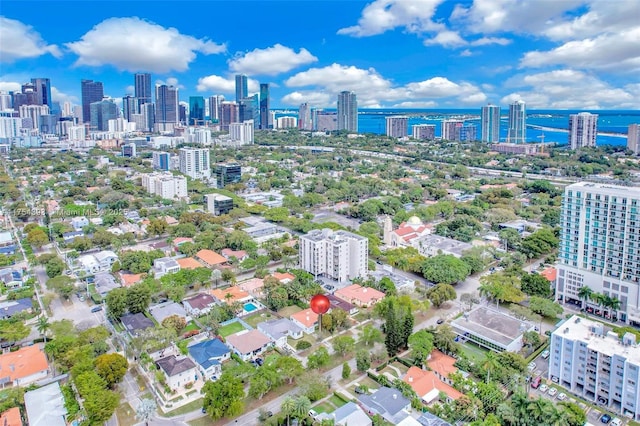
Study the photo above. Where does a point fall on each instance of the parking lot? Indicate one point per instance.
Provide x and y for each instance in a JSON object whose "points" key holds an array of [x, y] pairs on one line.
{"points": [[78, 312]]}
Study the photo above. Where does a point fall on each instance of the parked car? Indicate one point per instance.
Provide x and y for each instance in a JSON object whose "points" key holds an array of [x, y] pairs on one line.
{"points": [[536, 382], [531, 366], [329, 287], [605, 419], [543, 388], [553, 392], [440, 321], [360, 390], [259, 361], [96, 309], [312, 414], [562, 396], [616, 422], [545, 354], [554, 379]]}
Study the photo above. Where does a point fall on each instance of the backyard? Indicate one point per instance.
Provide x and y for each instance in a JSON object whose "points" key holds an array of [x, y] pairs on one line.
{"points": [[288, 311], [254, 319], [474, 352], [329, 405], [230, 328]]}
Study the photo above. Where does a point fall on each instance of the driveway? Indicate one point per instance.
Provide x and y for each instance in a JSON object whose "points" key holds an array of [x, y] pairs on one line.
{"points": [[78, 312]]}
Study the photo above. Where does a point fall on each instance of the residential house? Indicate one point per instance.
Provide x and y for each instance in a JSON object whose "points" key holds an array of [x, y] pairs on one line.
{"points": [[305, 319], [11, 417], [24, 366], [177, 242], [550, 274], [163, 246], [248, 343], [79, 222], [210, 258], [178, 371], [136, 323], [49, 397], [387, 402], [165, 310], [428, 419], [442, 365], [9, 308], [189, 263], [209, 356], [240, 255], [69, 237], [349, 414], [91, 264], [428, 386], [128, 280], [198, 305], [253, 286], [104, 282], [11, 278], [164, 266], [431, 245], [9, 250], [279, 329], [232, 294], [284, 277], [337, 303], [106, 259], [363, 297], [6, 238]]}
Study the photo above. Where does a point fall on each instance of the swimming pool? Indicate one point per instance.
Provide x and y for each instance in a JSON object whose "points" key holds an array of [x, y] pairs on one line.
{"points": [[250, 307]]}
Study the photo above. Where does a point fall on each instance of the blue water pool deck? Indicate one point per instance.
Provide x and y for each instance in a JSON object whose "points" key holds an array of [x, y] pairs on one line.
{"points": [[250, 307]]}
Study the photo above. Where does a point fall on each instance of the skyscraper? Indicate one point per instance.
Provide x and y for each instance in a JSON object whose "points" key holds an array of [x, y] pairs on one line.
{"points": [[451, 130], [242, 88], [166, 104], [264, 105], [195, 163], [424, 131], [42, 86], [517, 123], [304, 117], [249, 109], [599, 245], [633, 138], [101, 112], [583, 129], [92, 91], [196, 110], [229, 113], [490, 121], [143, 88], [130, 106], [348, 112], [214, 108], [397, 126]]}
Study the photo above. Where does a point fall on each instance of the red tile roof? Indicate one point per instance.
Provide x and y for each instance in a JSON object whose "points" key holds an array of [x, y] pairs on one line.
{"points": [[11, 417], [189, 263], [210, 257], [550, 273], [23, 363], [423, 382]]}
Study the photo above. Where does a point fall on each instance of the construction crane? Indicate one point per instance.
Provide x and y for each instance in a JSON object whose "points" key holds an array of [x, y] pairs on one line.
{"points": [[541, 137]]}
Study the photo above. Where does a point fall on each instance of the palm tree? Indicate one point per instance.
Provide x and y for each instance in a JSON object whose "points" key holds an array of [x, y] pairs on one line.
{"points": [[597, 298], [43, 326], [615, 305], [302, 405], [490, 363], [287, 407], [584, 294]]}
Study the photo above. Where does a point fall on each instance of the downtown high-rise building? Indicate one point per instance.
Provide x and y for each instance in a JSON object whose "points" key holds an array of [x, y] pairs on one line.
{"points": [[249, 109], [214, 108], [583, 129], [101, 112], [517, 123], [92, 91], [196, 110], [242, 87], [600, 246], [143, 88], [304, 117], [130, 106], [167, 110], [264, 106], [397, 126], [348, 112], [195, 162], [425, 132], [229, 113], [42, 87], [633, 138], [490, 123], [451, 130]]}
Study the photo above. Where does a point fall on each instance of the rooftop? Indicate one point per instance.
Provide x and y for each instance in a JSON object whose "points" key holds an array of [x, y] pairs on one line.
{"points": [[386, 400], [11, 417], [210, 257], [364, 295], [172, 366], [189, 263], [441, 363], [424, 382], [205, 353], [164, 310], [235, 294], [278, 328], [200, 301], [136, 322], [48, 396], [22, 363], [247, 341], [443, 243], [306, 317], [492, 325]]}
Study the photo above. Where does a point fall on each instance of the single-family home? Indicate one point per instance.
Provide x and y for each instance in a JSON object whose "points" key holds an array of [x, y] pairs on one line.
{"points": [[189, 263], [104, 282], [232, 294], [11, 417], [177, 242], [178, 371], [210, 258], [428, 386], [79, 222], [91, 264], [88, 264], [248, 343], [387, 402], [305, 319], [162, 246], [128, 280], [164, 266], [165, 310], [337, 303], [49, 396], [136, 323], [6, 238], [279, 329], [9, 308], [11, 278], [284, 277], [24, 366], [253, 286], [198, 305], [428, 419], [442, 365], [359, 296], [240, 255], [9, 250], [209, 356], [106, 259], [69, 237], [349, 414]]}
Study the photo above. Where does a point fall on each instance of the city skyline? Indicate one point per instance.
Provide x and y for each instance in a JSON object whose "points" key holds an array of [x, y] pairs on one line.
{"points": [[551, 59]]}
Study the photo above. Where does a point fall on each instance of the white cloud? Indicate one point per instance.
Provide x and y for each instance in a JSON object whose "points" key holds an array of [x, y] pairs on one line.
{"points": [[446, 38], [466, 53], [485, 41], [21, 41], [10, 86], [616, 52], [416, 104], [569, 89], [441, 87], [133, 44], [62, 97], [384, 15], [270, 61], [316, 99], [218, 84], [130, 89]]}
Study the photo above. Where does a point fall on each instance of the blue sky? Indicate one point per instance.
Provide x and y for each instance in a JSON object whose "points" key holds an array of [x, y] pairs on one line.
{"points": [[560, 54]]}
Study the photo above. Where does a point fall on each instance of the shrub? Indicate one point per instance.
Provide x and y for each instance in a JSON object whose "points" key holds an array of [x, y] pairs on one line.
{"points": [[302, 345]]}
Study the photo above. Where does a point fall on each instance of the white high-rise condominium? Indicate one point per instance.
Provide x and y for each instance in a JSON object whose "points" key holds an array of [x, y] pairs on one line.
{"points": [[633, 138], [451, 129], [593, 362], [214, 107], [600, 247], [242, 132], [348, 112], [195, 162], [490, 120], [517, 123], [286, 123], [583, 129], [165, 185], [339, 255], [397, 126]]}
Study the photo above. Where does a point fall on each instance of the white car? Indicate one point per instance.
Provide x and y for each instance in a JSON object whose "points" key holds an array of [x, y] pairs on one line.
{"points": [[562, 396], [545, 354], [531, 366], [553, 392], [543, 388]]}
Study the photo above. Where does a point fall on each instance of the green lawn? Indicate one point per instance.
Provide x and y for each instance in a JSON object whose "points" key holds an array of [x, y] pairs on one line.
{"points": [[231, 328], [194, 405], [288, 311], [126, 415], [202, 421], [324, 407], [254, 319], [337, 401], [190, 327], [473, 352]]}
